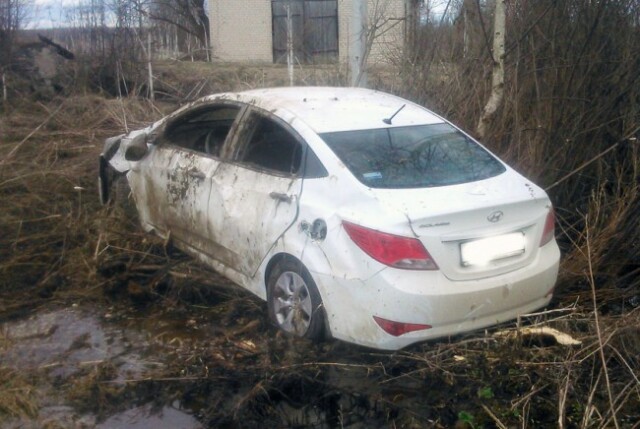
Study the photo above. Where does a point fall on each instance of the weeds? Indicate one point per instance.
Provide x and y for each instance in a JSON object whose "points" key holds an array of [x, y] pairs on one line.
{"points": [[570, 122], [17, 395]]}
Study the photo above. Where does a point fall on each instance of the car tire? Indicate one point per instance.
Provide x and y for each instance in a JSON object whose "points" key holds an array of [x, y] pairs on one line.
{"points": [[294, 302]]}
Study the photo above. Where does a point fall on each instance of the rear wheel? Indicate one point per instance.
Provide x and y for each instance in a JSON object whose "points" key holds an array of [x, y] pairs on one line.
{"points": [[294, 302]]}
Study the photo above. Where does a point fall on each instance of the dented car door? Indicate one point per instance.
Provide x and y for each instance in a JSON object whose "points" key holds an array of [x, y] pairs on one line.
{"points": [[254, 199], [148, 182], [188, 189], [179, 177]]}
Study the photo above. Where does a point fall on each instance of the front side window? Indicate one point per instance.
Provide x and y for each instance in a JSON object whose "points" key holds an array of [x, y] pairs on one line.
{"points": [[203, 130], [420, 156]]}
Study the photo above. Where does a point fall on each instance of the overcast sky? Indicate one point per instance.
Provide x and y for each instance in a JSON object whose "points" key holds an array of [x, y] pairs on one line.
{"points": [[48, 14]]}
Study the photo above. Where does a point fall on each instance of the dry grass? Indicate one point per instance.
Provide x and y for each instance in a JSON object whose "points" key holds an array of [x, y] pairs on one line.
{"points": [[47, 182], [17, 395], [569, 122]]}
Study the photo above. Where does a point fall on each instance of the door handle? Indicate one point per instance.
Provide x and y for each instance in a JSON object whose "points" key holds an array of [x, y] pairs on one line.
{"points": [[197, 174], [280, 197]]}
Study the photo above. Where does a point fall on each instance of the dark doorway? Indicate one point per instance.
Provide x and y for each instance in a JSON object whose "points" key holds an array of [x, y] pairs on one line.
{"points": [[314, 25]]}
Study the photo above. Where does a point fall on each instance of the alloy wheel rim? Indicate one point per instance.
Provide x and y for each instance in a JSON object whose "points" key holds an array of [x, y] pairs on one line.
{"points": [[292, 303]]}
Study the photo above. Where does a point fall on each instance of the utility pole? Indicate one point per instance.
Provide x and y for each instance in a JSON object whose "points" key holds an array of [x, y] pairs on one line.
{"points": [[149, 67], [289, 43], [358, 48]]}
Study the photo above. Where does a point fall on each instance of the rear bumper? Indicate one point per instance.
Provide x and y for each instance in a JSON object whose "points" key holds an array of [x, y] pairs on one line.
{"points": [[423, 297]]}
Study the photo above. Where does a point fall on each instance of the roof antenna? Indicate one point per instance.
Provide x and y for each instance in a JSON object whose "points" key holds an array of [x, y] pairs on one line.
{"points": [[388, 120]]}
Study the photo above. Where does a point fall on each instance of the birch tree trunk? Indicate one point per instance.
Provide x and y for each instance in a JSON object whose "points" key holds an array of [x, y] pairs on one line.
{"points": [[497, 79]]}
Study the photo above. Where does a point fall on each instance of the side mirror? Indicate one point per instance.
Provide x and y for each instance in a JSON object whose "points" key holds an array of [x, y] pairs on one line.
{"points": [[136, 148]]}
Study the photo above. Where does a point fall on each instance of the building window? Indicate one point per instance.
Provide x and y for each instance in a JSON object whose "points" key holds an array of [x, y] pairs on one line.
{"points": [[314, 30]]}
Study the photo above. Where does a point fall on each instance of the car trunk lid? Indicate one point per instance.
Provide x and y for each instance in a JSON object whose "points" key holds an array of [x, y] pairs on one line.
{"points": [[506, 212]]}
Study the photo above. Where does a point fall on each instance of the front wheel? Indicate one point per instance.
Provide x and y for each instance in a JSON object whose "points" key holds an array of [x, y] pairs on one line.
{"points": [[294, 302]]}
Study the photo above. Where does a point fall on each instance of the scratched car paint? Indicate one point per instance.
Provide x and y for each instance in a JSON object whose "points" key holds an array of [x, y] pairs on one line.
{"points": [[355, 214]]}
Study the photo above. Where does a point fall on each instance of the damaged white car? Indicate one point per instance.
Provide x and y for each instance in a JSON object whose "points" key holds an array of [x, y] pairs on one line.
{"points": [[353, 213]]}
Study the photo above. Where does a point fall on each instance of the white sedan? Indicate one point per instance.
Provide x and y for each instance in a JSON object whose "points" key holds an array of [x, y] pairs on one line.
{"points": [[352, 212]]}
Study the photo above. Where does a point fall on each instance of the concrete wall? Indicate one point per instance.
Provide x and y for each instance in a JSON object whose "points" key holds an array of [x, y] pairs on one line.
{"points": [[241, 29], [385, 13]]}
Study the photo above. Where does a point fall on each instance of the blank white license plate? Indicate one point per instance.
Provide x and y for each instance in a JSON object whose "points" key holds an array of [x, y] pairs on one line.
{"points": [[481, 252]]}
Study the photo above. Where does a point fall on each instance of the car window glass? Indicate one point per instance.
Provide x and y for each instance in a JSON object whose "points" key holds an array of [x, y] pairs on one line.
{"points": [[413, 157], [268, 145], [204, 130], [313, 168]]}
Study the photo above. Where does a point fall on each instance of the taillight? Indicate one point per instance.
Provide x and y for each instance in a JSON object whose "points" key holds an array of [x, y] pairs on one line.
{"points": [[392, 250], [549, 228], [398, 328]]}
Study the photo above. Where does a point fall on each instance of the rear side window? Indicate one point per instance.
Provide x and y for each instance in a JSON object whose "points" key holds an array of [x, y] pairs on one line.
{"points": [[413, 157], [267, 145]]}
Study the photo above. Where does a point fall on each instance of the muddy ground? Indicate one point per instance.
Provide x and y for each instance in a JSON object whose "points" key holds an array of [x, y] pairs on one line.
{"points": [[103, 326], [218, 363]]}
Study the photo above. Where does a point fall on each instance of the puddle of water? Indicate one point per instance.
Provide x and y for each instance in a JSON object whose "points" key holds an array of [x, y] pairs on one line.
{"points": [[143, 417], [65, 340], [59, 416], [146, 418], [60, 345]]}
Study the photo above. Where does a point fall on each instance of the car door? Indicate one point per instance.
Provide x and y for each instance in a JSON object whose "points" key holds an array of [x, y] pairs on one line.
{"points": [[180, 170], [254, 198]]}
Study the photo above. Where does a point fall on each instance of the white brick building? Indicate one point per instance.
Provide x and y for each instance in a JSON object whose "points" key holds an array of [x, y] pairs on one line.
{"points": [[256, 30]]}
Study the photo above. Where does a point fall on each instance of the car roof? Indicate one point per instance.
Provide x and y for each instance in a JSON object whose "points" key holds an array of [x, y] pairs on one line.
{"points": [[330, 109]]}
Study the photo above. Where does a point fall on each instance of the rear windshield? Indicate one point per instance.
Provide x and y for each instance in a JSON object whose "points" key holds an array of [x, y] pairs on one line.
{"points": [[413, 157]]}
